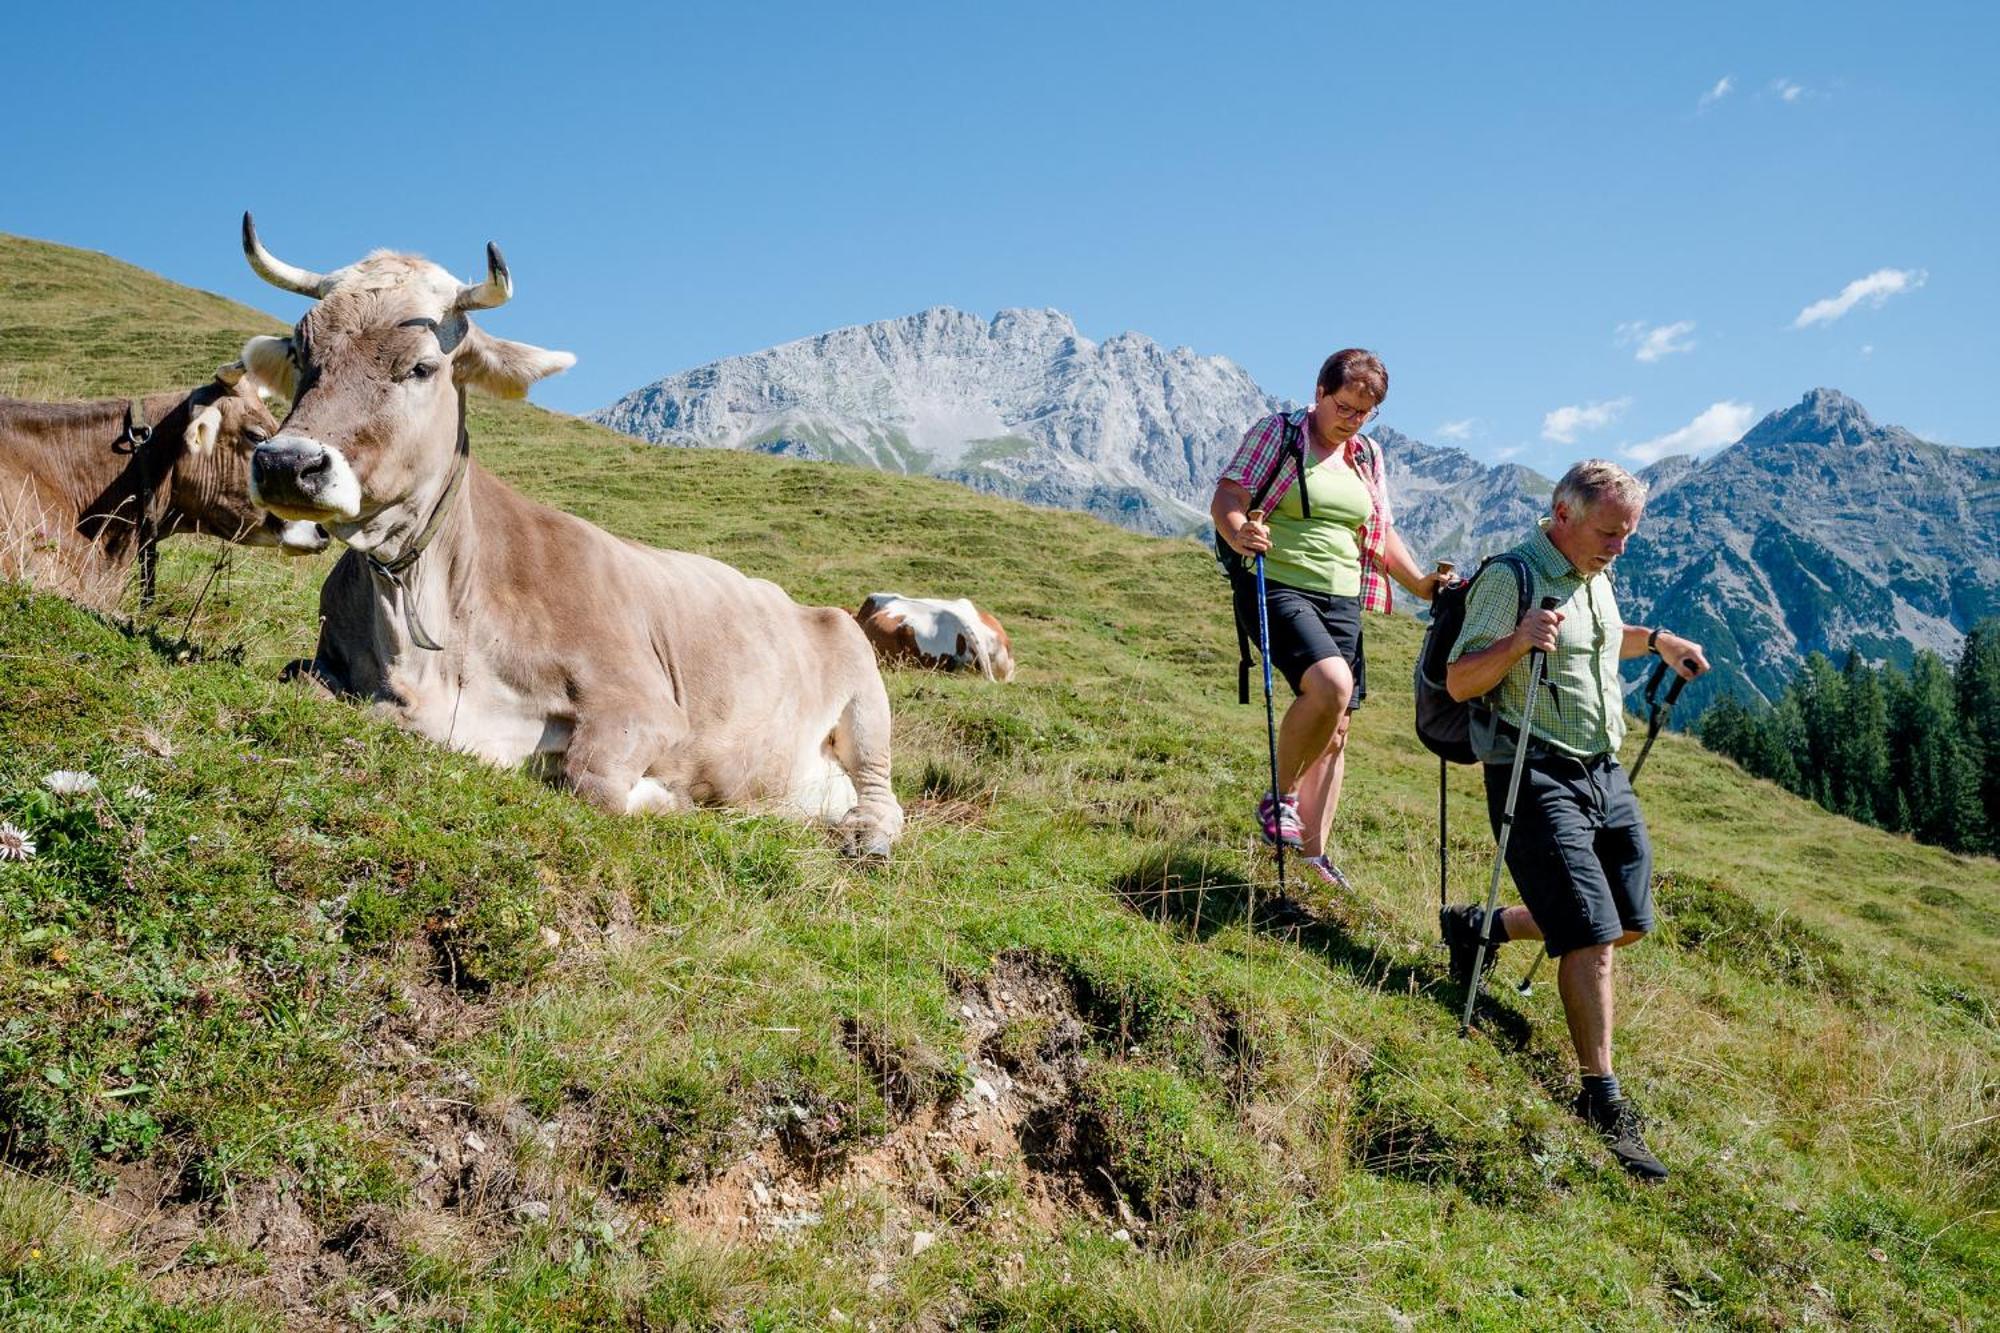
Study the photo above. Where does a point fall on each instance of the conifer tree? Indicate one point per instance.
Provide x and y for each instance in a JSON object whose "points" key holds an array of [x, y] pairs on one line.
{"points": [[1978, 682], [1933, 761], [1861, 754]]}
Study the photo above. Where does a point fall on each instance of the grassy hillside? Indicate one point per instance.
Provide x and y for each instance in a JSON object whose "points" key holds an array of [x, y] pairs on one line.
{"points": [[310, 1024]]}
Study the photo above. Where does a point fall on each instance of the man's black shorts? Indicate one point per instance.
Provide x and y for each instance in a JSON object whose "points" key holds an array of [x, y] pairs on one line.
{"points": [[1308, 627], [1579, 852]]}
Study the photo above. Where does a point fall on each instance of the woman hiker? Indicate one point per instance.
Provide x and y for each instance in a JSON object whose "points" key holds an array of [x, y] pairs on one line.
{"points": [[1320, 573]]}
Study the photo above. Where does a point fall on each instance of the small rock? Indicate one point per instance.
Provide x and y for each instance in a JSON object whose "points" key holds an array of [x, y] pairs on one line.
{"points": [[473, 1143], [921, 1241], [965, 1011], [1121, 1234], [877, 1281], [760, 1193], [984, 1090], [1880, 1256], [1006, 997], [835, 1315], [1401, 1322], [531, 1211], [551, 938], [386, 1299]]}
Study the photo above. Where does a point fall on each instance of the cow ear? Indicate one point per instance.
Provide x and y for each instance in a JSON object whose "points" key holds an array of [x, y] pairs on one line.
{"points": [[502, 368], [204, 430], [270, 364]]}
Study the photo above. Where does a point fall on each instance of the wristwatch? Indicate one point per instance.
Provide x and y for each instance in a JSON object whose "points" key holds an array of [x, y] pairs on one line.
{"points": [[1653, 640]]}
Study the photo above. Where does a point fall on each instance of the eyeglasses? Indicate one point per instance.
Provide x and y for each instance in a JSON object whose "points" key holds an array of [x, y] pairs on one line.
{"points": [[1346, 413]]}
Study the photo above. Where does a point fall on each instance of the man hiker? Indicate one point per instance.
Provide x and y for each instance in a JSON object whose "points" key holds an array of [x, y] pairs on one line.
{"points": [[1578, 851]]}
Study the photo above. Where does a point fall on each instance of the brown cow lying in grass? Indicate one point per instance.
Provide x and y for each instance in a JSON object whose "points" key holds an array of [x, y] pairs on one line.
{"points": [[86, 488], [945, 636], [650, 679]]}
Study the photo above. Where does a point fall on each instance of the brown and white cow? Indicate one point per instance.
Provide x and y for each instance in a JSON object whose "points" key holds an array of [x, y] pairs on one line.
{"points": [[946, 636], [649, 679], [85, 488]]}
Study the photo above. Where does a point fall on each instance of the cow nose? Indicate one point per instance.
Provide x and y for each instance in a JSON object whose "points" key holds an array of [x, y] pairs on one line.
{"points": [[289, 467]]}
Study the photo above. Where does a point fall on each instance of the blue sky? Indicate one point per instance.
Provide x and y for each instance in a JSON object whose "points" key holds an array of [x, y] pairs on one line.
{"points": [[1511, 204]]}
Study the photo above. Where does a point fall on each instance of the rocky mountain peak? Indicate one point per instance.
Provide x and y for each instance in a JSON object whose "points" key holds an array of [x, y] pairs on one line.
{"points": [[1823, 416], [1021, 404]]}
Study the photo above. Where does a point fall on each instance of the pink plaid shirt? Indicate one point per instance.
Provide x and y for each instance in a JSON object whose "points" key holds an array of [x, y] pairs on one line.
{"points": [[1263, 450]]}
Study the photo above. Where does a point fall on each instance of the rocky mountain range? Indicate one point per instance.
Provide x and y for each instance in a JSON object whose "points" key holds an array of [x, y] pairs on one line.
{"points": [[1019, 405], [1819, 530]]}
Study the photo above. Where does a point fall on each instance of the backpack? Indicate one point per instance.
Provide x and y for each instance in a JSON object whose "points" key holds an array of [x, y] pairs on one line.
{"points": [[1241, 572], [1444, 724]]}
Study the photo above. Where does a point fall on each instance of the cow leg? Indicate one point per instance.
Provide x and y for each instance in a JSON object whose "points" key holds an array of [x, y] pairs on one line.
{"points": [[861, 744], [606, 764]]}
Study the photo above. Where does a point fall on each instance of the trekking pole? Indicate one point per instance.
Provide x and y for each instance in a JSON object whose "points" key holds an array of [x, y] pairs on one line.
{"points": [[1537, 664], [1657, 714], [1270, 712], [1445, 571]]}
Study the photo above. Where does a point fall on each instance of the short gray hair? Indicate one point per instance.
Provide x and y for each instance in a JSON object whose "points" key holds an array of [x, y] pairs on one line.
{"points": [[1596, 479]]}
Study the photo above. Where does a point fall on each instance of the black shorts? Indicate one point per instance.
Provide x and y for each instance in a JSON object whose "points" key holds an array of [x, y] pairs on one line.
{"points": [[1308, 627], [1579, 852]]}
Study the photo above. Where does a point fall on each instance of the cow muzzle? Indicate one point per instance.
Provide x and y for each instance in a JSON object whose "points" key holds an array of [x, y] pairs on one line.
{"points": [[296, 477]]}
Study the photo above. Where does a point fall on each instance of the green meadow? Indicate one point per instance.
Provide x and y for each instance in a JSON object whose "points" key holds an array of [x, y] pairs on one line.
{"points": [[307, 1023]]}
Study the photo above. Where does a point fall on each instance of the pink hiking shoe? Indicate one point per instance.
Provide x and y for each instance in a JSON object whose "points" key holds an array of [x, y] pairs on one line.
{"points": [[1280, 821], [1326, 872]]}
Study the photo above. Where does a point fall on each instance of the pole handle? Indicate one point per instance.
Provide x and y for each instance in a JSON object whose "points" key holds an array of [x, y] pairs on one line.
{"points": [[1680, 681]]}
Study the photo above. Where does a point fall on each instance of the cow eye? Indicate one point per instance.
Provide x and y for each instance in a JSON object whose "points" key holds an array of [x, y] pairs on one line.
{"points": [[423, 370], [255, 435]]}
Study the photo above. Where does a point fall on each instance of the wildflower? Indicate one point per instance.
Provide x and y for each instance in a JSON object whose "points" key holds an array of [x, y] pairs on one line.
{"points": [[15, 844], [69, 782]]}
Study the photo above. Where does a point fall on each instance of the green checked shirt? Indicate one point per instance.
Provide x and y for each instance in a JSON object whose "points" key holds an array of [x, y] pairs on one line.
{"points": [[1588, 713]]}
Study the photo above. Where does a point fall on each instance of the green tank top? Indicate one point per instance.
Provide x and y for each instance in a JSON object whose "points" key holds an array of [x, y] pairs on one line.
{"points": [[1321, 553]]}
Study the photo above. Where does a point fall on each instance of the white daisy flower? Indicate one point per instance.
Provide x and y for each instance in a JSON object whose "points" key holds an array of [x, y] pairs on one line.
{"points": [[69, 782], [15, 844]]}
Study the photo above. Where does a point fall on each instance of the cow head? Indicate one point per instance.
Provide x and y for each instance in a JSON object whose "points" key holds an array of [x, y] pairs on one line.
{"points": [[210, 490], [377, 373]]}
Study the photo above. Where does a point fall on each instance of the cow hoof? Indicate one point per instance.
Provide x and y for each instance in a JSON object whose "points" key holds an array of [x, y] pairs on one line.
{"points": [[867, 846], [305, 670]]}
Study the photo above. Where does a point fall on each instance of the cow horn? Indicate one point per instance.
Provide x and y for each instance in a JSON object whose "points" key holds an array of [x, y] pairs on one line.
{"points": [[497, 290], [276, 271]]}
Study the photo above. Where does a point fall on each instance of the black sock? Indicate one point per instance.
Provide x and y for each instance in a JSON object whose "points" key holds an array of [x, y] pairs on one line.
{"points": [[1496, 927], [1602, 1088]]}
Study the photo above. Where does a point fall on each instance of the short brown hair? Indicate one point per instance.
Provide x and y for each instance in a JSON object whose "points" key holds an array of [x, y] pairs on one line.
{"points": [[1357, 366]]}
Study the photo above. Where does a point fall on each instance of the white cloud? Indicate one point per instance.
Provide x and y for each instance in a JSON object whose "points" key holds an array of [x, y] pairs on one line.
{"points": [[1511, 451], [1868, 349], [1458, 430], [1723, 87], [1661, 340], [1564, 424], [1720, 424], [1876, 288], [1788, 90]]}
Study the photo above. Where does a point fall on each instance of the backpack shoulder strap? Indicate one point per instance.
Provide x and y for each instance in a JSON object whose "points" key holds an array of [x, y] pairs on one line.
{"points": [[1289, 446], [1524, 579]]}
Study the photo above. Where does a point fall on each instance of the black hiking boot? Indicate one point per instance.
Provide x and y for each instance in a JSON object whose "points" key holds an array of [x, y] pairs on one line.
{"points": [[1462, 928], [1621, 1127]]}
